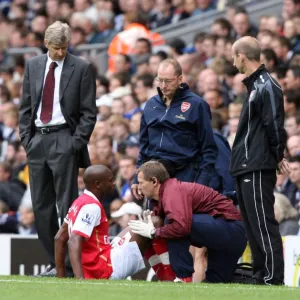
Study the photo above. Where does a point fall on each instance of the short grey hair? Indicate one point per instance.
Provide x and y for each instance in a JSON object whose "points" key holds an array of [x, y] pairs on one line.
{"points": [[58, 33]]}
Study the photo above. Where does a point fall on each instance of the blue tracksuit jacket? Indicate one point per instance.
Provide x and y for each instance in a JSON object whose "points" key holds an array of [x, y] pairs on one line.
{"points": [[180, 133]]}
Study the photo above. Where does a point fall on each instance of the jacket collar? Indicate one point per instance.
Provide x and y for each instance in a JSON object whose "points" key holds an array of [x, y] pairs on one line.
{"points": [[248, 81], [181, 91]]}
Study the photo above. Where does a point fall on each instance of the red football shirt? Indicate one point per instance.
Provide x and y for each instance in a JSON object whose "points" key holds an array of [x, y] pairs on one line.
{"points": [[178, 201], [87, 218]]}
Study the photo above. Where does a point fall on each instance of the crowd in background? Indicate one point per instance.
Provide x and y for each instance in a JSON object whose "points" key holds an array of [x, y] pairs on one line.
{"points": [[134, 55]]}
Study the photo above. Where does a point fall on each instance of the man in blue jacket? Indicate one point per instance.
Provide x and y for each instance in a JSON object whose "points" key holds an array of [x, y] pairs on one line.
{"points": [[176, 130]]}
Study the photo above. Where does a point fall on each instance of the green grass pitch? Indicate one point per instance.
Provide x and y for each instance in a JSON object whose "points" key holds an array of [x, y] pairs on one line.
{"points": [[30, 288]]}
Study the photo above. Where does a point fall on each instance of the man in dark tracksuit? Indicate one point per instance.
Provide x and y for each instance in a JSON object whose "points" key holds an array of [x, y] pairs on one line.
{"points": [[176, 130], [257, 152]]}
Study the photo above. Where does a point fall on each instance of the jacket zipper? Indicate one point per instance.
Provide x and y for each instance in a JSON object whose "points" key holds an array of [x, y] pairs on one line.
{"points": [[248, 132], [162, 134]]}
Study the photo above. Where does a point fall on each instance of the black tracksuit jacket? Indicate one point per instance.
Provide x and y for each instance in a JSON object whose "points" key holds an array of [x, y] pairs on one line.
{"points": [[260, 139]]}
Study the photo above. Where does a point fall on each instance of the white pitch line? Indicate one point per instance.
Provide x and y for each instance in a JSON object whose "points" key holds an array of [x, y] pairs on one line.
{"points": [[130, 283]]}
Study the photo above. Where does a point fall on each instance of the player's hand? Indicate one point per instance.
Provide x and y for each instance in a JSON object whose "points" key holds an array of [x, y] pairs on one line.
{"points": [[142, 228], [284, 167], [144, 216], [135, 191]]}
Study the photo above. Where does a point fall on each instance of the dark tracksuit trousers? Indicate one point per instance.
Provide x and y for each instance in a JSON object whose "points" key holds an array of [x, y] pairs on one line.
{"points": [[256, 201], [225, 242]]}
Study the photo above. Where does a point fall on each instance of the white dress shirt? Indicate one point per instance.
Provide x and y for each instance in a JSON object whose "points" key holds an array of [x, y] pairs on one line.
{"points": [[57, 116]]}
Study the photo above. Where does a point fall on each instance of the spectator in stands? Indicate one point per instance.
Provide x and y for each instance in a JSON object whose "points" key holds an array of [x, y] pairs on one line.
{"points": [[293, 190], [242, 25], [286, 215], [221, 27], [164, 15], [213, 98], [114, 227], [269, 59], [105, 153], [131, 106], [291, 102], [26, 220], [78, 38], [128, 211], [265, 39], [282, 48], [154, 61], [104, 104], [8, 220], [292, 79], [105, 27], [132, 147], [292, 125], [142, 88], [11, 189], [293, 145], [127, 169], [204, 6], [290, 8], [39, 24], [177, 46], [125, 41], [134, 125]]}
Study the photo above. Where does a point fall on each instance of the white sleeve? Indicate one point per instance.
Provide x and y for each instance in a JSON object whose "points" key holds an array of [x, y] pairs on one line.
{"points": [[88, 217]]}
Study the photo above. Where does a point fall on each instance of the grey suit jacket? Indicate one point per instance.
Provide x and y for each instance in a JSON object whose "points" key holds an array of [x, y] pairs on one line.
{"points": [[77, 95]]}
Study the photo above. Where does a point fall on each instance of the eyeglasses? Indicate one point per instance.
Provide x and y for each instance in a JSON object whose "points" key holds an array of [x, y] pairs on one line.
{"points": [[166, 81]]}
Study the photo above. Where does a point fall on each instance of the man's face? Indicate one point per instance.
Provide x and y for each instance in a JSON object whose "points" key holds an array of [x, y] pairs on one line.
{"points": [[154, 62], [290, 126], [213, 99], [290, 81], [127, 169], [295, 172], [57, 52], [141, 48], [237, 61], [293, 145], [167, 80], [104, 149], [241, 24], [145, 187]]}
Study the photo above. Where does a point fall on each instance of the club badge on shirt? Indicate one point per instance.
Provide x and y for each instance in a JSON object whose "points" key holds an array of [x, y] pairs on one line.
{"points": [[87, 219], [185, 106]]}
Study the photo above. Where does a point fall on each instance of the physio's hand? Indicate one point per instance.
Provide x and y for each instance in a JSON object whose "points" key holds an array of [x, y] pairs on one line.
{"points": [[135, 192], [284, 167], [142, 228]]}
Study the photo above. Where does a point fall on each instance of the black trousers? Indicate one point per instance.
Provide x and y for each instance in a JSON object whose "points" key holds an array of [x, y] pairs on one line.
{"points": [[53, 171], [256, 201]]}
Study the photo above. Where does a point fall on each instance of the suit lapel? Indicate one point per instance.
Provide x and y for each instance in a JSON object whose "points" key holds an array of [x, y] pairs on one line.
{"points": [[67, 71], [39, 77]]}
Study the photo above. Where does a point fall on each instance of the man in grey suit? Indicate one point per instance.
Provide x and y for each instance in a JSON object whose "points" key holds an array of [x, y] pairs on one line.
{"points": [[57, 116]]}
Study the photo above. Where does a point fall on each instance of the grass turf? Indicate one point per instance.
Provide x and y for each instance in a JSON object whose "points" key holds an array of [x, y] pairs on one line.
{"points": [[23, 288]]}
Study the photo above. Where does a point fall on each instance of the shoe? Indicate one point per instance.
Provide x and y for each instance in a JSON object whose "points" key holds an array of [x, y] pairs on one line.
{"points": [[183, 280], [50, 271]]}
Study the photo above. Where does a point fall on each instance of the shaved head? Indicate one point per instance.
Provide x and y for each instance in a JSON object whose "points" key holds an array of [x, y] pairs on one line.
{"points": [[96, 173], [248, 46]]}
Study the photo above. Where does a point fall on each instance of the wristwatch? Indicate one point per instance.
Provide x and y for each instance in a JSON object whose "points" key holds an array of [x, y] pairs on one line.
{"points": [[152, 233]]}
